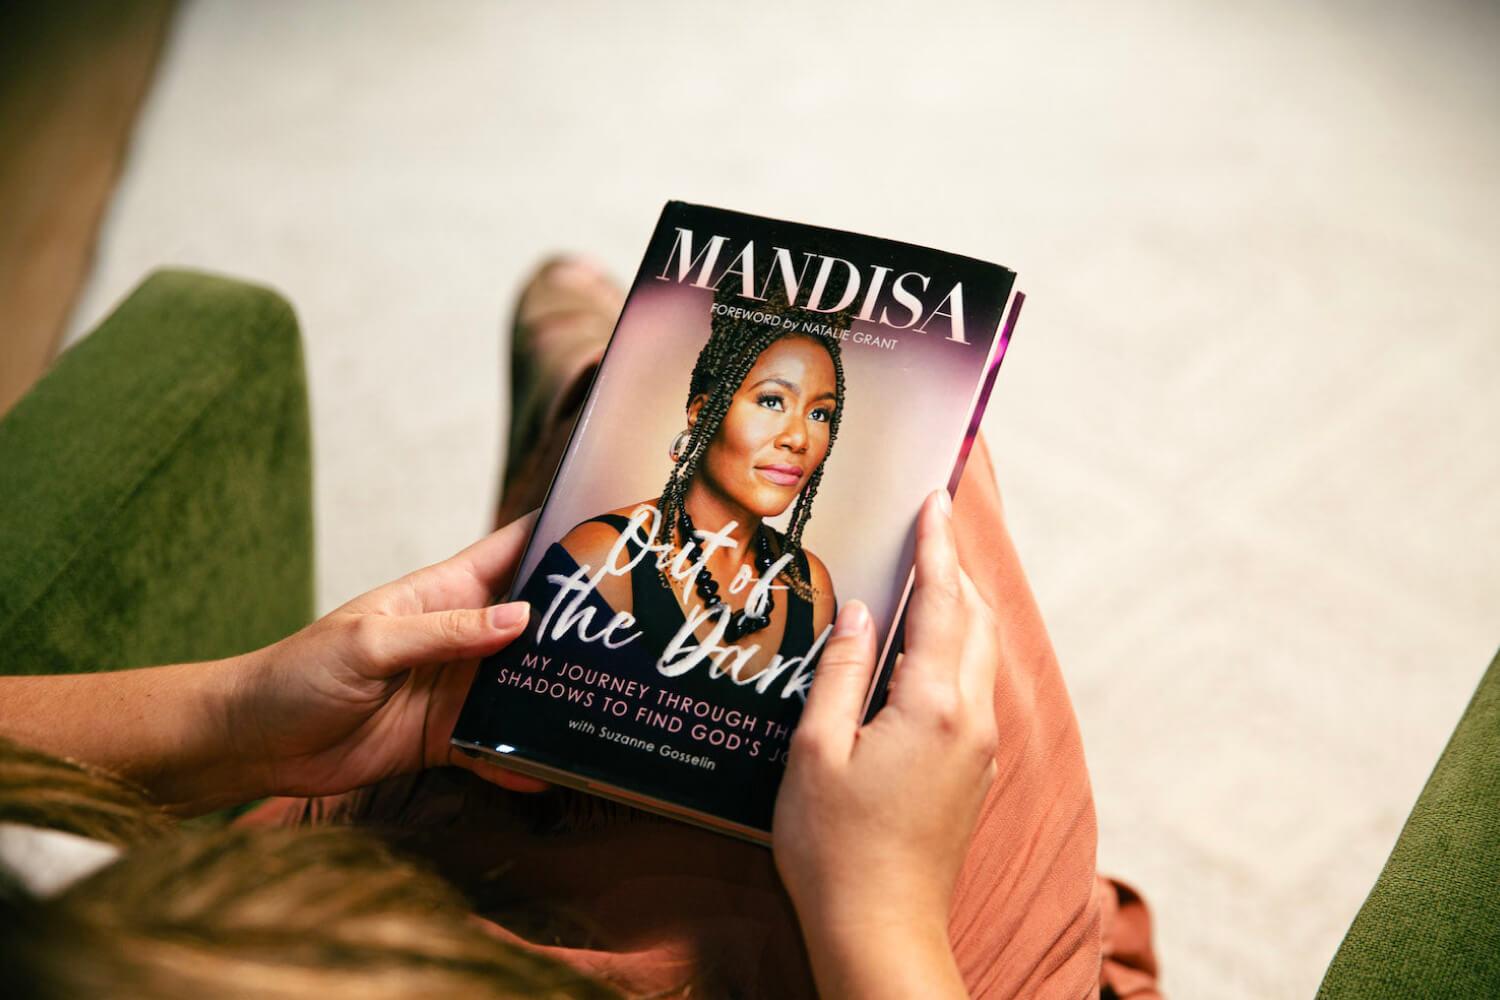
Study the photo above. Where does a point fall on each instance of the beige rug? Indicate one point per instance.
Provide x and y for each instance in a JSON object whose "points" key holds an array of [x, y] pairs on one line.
{"points": [[1247, 434]]}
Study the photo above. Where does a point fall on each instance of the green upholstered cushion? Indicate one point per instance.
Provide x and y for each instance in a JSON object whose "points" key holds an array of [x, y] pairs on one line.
{"points": [[1431, 926], [155, 486]]}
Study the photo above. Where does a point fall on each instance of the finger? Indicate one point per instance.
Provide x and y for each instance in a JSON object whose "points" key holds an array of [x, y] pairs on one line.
{"points": [[936, 616], [990, 558], [981, 660], [497, 775], [478, 574], [492, 560], [836, 703], [390, 644]]}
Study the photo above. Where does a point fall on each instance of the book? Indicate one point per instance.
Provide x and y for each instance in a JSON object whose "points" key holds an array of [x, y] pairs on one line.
{"points": [[775, 403]]}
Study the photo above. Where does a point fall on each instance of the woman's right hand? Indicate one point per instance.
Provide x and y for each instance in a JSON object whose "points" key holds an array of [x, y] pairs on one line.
{"points": [[873, 821]]}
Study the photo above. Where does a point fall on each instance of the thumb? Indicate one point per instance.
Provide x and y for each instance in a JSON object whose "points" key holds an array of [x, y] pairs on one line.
{"points": [[392, 644], [837, 699]]}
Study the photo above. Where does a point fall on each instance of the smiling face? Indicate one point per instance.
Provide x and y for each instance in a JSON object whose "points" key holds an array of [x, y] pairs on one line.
{"points": [[775, 432]]}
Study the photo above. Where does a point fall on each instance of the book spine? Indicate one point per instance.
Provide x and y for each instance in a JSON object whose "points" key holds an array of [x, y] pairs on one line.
{"points": [[875, 699]]}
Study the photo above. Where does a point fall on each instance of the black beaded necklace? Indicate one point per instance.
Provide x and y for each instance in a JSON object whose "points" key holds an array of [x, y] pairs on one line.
{"points": [[743, 623]]}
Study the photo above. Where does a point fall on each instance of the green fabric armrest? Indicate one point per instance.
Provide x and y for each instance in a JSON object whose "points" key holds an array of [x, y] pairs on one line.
{"points": [[155, 486], [1431, 926]]}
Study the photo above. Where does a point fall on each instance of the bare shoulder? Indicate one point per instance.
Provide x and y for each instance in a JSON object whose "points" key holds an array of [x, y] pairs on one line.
{"points": [[827, 600], [590, 544]]}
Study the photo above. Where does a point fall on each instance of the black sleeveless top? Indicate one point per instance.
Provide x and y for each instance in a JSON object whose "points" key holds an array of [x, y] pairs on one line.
{"points": [[584, 689], [660, 616], [658, 620]]}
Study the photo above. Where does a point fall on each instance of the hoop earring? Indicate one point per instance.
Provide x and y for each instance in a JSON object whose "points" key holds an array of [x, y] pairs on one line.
{"points": [[678, 443]]}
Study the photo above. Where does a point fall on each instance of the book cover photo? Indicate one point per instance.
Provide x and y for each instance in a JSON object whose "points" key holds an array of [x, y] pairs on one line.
{"points": [[774, 405]]}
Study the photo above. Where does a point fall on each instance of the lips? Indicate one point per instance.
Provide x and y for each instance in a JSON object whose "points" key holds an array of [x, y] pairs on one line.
{"points": [[781, 475]]}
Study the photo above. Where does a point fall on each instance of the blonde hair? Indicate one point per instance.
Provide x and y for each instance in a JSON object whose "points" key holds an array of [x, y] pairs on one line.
{"points": [[37, 789], [284, 914]]}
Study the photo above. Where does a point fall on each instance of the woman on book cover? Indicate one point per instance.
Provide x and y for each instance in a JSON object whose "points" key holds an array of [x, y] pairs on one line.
{"points": [[762, 414]]}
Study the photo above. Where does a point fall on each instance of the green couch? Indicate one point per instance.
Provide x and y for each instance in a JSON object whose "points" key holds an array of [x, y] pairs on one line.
{"points": [[155, 506], [1431, 925], [155, 486]]}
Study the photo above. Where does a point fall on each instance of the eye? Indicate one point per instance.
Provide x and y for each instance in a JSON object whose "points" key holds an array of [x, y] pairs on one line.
{"points": [[822, 414], [771, 401]]}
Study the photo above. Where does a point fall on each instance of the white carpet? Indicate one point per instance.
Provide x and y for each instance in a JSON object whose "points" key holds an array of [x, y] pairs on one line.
{"points": [[1247, 432]]}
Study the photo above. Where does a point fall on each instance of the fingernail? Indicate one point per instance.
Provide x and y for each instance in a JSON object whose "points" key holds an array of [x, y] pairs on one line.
{"points": [[853, 619], [945, 502], [504, 616]]}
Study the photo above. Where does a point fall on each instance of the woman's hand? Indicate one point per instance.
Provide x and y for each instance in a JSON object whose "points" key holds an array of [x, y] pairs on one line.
{"points": [[373, 689], [369, 691], [873, 821]]}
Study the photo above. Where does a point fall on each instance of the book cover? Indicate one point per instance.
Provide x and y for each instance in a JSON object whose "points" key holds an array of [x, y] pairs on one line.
{"points": [[774, 405]]}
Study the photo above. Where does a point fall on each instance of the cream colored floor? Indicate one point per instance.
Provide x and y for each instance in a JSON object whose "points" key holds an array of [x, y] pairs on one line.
{"points": [[1247, 433]]}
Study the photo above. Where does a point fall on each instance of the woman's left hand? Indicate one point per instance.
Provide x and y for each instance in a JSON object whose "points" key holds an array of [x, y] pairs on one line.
{"points": [[373, 689]]}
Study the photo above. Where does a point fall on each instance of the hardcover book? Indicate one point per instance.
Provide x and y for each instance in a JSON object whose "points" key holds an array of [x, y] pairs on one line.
{"points": [[774, 405]]}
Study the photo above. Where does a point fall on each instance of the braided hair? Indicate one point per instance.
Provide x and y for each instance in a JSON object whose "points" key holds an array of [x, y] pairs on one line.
{"points": [[735, 343]]}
